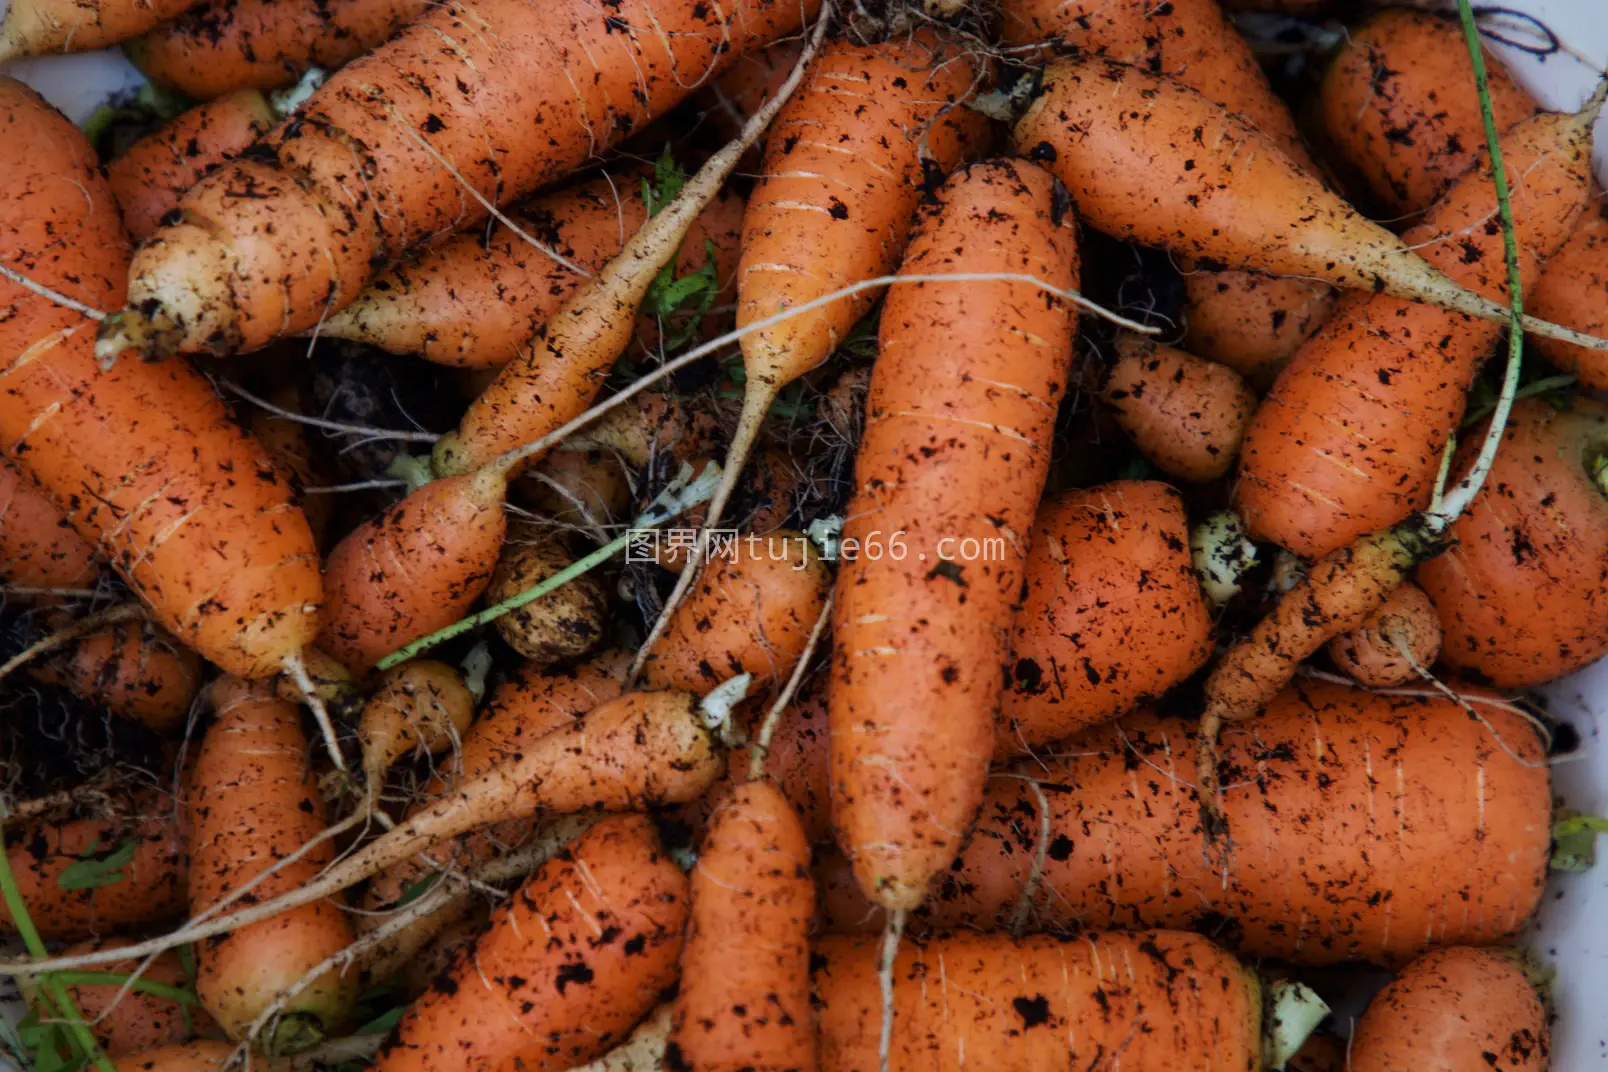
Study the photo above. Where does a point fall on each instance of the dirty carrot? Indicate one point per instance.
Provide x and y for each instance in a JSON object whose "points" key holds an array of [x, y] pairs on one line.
{"points": [[38, 547], [1574, 291], [1397, 643], [566, 623], [1184, 413], [156, 1009], [421, 705], [39, 27], [132, 668]]}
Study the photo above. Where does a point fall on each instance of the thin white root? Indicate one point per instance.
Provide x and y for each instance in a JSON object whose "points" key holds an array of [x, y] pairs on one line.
{"points": [[51, 295], [62, 637], [328, 426], [315, 703], [892, 931], [767, 728]]}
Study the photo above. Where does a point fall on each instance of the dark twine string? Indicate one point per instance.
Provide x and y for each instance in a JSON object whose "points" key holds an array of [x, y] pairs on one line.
{"points": [[1551, 43]]}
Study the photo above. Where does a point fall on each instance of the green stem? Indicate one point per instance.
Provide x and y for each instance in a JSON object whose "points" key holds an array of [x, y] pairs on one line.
{"points": [[72, 1019], [143, 986]]}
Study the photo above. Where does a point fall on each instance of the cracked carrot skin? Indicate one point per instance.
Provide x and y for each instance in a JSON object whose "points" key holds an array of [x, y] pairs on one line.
{"points": [[270, 244], [1365, 827], [1112, 615], [920, 641], [215, 48], [144, 460], [1452, 1009], [40, 27], [155, 172], [1151, 1000], [38, 547], [474, 301], [571, 963], [252, 803], [1351, 437]]}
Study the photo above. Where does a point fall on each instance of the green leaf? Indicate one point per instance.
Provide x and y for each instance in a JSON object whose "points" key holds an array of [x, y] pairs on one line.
{"points": [[668, 179], [1574, 842], [383, 1023], [98, 871], [417, 888]]}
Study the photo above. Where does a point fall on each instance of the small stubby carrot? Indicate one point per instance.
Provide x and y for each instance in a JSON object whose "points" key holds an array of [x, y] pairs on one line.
{"points": [[253, 802], [569, 965], [417, 567], [1366, 827], [566, 623], [1184, 413], [1574, 291], [751, 611], [1112, 617], [1455, 1008], [221, 46], [1252, 322], [1397, 103], [744, 998], [1351, 437], [201, 1055], [38, 547], [149, 888], [590, 488], [1159, 999], [137, 1020], [1397, 643], [152, 174], [955, 453], [476, 300], [143, 460], [1521, 594], [422, 704], [134, 669], [40, 27], [1152, 161]]}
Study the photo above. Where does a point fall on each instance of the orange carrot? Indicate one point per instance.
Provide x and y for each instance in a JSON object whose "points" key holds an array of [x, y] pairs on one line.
{"points": [[422, 704], [566, 623], [148, 888], [38, 547], [154, 172], [39, 27], [1574, 291], [1352, 435], [286, 442], [203, 1055], [576, 487], [1366, 827], [751, 611], [1397, 642], [143, 459], [226, 45], [1113, 614], [752, 79], [132, 668], [477, 300], [1156, 999], [252, 803], [138, 1020], [420, 970], [1521, 593], [744, 1000], [1454, 1008], [569, 965], [1252, 322], [238, 271], [1186, 415], [920, 635]]}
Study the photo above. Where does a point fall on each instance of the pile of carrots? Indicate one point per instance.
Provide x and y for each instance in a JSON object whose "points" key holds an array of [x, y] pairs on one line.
{"points": [[676, 535]]}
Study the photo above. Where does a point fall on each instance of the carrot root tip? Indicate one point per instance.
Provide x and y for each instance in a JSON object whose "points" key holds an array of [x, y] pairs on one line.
{"points": [[292, 1033], [127, 329], [1223, 553], [1292, 1011]]}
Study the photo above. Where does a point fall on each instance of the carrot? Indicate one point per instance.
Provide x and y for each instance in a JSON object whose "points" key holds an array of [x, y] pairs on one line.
{"points": [[645, 1050], [920, 636], [422, 704], [140, 1019], [92, 877], [253, 803], [1228, 193], [569, 965], [154, 172], [133, 669], [565, 624], [1250, 322], [1520, 594], [237, 271], [744, 1000], [38, 547], [1454, 1008], [1113, 615], [215, 48], [415, 568], [576, 487], [202, 1055], [751, 612], [1571, 292], [752, 79], [1395, 645], [1155, 999], [1351, 437], [419, 970], [286, 443], [1186, 415], [1367, 827], [477, 300], [40, 27], [143, 459], [1396, 105]]}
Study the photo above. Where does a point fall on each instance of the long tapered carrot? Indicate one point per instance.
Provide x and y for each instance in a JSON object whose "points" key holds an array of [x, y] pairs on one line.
{"points": [[1153, 161], [143, 460], [221, 46], [1365, 826], [580, 954], [1350, 439], [483, 97], [253, 802], [38, 547], [919, 637], [39, 27]]}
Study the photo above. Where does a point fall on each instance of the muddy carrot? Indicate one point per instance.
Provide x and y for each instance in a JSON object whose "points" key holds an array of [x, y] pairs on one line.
{"points": [[1185, 414]]}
